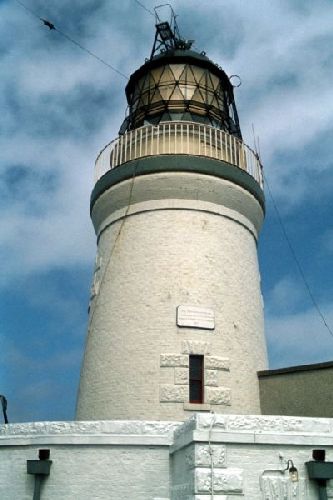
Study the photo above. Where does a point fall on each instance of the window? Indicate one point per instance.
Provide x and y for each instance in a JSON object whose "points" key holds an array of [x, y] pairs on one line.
{"points": [[196, 377]]}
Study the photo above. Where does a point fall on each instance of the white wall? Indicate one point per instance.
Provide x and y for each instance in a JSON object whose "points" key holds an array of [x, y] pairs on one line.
{"points": [[109, 460], [124, 460], [246, 457], [187, 239]]}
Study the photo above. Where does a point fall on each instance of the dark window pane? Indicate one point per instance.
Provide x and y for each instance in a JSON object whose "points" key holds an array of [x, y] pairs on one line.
{"points": [[195, 391], [196, 367], [196, 379]]}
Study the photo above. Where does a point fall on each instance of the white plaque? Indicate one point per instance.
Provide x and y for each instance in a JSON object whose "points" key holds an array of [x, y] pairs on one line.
{"points": [[195, 317]]}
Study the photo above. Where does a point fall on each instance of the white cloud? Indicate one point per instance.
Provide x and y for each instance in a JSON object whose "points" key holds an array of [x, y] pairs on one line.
{"points": [[300, 336], [294, 331], [286, 295]]}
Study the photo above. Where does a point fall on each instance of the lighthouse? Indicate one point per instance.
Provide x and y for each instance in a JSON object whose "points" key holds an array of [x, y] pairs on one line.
{"points": [[176, 313]]}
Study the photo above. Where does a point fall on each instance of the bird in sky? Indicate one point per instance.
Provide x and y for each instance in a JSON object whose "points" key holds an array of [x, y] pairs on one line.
{"points": [[48, 24]]}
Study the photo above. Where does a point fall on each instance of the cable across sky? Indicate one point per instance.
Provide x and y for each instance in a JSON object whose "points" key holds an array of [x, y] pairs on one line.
{"points": [[52, 27]]}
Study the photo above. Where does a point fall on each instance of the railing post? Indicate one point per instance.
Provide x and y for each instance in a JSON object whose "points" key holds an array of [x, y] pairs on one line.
{"points": [[205, 142], [125, 146], [163, 138], [179, 138], [130, 134], [117, 154], [169, 137], [146, 140], [216, 150], [199, 137], [121, 140], [188, 138], [223, 153]]}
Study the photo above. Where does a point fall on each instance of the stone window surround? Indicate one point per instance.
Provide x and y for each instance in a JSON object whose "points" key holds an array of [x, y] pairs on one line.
{"points": [[178, 391]]}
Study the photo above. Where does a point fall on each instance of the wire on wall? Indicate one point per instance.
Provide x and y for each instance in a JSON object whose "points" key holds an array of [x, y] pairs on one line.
{"points": [[117, 239]]}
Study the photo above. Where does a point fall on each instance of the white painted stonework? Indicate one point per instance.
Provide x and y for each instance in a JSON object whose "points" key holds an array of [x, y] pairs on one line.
{"points": [[187, 240], [220, 457], [225, 457]]}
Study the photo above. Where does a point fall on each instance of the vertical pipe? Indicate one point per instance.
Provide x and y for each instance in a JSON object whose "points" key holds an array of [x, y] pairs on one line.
{"points": [[322, 492], [38, 481]]}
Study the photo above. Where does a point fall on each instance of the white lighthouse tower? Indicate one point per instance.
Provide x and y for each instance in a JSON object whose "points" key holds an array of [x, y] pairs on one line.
{"points": [[176, 313]]}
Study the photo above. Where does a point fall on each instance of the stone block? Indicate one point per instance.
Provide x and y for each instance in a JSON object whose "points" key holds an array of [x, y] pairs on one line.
{"points": [[181, 376], [217, 363], [167, 375], [221, 396], [199, 455], [224, 480], [216, 497], [212, 378], [173, 360], [173, 393], [195, 347], [182, 491]]}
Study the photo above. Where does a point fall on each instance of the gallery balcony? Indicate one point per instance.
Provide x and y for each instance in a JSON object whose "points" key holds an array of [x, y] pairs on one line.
{"points": [[179, 138]]}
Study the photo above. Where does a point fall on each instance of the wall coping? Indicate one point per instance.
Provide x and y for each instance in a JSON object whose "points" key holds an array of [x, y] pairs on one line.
{"points": [[251, 429], [297, 368], [126, 432], [254, 429]]}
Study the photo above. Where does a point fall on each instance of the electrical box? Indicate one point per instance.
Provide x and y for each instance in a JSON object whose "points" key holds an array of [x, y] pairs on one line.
{"points": [[41, 467], [319, 470]]}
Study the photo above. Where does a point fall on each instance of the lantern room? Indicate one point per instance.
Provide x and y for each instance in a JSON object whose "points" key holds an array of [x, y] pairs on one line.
{"points": [[180, 84]]}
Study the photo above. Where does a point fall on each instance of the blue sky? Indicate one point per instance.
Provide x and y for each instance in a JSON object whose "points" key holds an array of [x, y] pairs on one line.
{"points": [[59, 107]]}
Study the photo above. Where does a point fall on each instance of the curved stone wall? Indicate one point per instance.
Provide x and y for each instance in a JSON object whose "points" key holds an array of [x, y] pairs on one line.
{"points": [[168, 240]]}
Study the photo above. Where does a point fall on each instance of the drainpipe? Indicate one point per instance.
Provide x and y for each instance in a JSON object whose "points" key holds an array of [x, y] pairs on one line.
{"points": [[40, 469], [320, 471]]}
